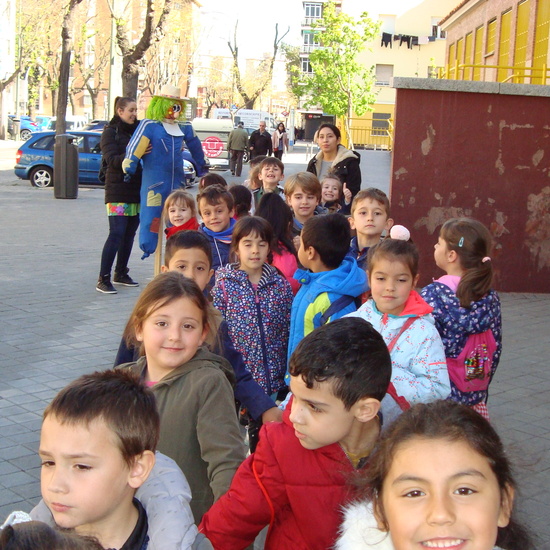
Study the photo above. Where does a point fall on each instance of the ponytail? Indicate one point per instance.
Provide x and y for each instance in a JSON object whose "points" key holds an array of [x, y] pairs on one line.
{"points": [[472, 242]]}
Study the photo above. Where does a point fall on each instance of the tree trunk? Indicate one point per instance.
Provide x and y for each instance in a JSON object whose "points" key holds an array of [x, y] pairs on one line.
{"points": [[54, 101], [65, 67], [130, 76]]}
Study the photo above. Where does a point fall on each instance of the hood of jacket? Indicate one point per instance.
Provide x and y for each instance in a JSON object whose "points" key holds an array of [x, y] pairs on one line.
{"points": [[341, 154], [198, 361], [347, 279], [359, 530], [232, 273]]}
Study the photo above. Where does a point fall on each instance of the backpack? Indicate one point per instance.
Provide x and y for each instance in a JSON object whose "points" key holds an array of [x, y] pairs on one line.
{"points": [[102, 174], [471, 370], [338, 305]]}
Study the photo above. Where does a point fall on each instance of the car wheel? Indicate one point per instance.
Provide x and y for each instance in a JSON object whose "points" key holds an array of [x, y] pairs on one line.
{"points": [[25, 134], [42, 177]]}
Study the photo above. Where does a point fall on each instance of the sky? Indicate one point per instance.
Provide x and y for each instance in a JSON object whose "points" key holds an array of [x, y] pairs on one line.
{"points": [[256, 28]]}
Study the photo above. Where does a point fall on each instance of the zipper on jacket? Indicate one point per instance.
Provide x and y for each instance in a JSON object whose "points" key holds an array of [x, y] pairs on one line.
{"points": [[262, 339]]}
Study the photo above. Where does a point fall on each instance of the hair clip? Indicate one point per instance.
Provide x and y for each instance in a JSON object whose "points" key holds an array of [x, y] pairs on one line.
{"points": [[461, 242], [486, 259], [400, 233]]}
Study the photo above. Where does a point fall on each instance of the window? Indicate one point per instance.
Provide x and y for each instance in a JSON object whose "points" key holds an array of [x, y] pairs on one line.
{"points": [[388, 23], [491, 36], [311, 39], [384, 73], [94, 144], [45, 143], [380, 124], [312, 10], [306, 66], [436, 29]]}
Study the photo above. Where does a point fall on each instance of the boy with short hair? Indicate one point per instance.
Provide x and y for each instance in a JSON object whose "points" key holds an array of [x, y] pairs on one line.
{"points": [[216, 209], [296, 481], [331, 280], [303, 194], [272, 172], [97, 447], [370, 217]]}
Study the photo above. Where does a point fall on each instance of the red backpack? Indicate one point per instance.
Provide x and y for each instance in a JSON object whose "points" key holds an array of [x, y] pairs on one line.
{"points": [[471, 370]]}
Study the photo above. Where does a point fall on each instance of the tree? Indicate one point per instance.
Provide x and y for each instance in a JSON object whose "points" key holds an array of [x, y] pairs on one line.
{"points": [[264, 72], [339, 83], [133, 56], [293, 70], [65, 65]]}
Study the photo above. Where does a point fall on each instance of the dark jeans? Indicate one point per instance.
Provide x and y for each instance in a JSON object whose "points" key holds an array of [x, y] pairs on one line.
{"points": [[122, 230], [236, 162], [278, 154]]}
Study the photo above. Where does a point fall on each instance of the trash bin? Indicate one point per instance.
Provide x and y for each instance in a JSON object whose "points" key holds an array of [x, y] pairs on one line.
{"points": [[16, 128], [65, 167]]}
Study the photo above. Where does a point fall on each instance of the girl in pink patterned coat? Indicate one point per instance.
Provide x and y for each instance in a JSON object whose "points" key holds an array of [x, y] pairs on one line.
{"points": [[255, 300]]}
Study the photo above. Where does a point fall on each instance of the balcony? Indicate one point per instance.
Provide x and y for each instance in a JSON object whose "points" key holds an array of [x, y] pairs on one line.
{"points": [[308, 48]]}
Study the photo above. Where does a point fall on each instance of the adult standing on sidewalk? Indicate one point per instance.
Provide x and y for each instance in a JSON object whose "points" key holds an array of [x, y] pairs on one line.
{"points": [[121, 198], [236, 144], [280, 141], [260, 142], [335, 158]]}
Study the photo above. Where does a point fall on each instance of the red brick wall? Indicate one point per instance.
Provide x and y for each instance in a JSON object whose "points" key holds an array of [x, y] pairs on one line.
{"points": [[483, 155]]}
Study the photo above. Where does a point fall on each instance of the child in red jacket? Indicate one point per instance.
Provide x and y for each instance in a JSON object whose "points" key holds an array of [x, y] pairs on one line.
{"points": [[295, 482]]}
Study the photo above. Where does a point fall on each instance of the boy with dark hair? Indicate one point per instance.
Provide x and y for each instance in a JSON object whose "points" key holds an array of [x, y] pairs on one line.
{"points": [[97, 447], [296, 481], [272, 172], [216, 209], [370, 217], [331, 281]]}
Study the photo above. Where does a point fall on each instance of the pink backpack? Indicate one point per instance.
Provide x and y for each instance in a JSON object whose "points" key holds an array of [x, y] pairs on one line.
{"points": [[471, 370]]}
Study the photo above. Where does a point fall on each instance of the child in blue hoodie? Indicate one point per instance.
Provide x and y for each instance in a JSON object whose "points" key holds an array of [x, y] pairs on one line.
{"points": [[331, 281]]}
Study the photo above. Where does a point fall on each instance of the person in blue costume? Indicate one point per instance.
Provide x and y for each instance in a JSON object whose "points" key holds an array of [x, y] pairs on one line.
{"points": [[163, 166]]}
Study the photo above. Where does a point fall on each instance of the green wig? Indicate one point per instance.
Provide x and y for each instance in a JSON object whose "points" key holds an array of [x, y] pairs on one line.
{"points": [[160, 106]]}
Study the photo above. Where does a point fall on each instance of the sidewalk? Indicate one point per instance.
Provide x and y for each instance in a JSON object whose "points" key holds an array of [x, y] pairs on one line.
{"points": [[54, 326]]}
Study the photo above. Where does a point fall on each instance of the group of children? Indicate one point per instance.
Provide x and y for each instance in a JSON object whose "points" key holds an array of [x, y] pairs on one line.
{"points": [[371, 368]]}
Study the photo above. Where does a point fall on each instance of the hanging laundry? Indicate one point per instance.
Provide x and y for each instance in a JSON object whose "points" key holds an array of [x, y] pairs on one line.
{"points": [[386, 39], [414, 41], [406, 39], [423, 40]]}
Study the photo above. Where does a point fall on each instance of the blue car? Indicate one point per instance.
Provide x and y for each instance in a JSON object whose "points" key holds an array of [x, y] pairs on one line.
{"points": [[35, 159], [26, 126]]}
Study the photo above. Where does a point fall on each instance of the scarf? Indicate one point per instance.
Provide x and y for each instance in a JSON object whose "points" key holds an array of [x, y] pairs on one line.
{"points": [[191, 224], [223, 236]]}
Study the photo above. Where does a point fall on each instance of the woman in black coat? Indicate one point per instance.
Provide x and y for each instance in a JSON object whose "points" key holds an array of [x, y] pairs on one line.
{"points": [[122, 198], [335, 158]]}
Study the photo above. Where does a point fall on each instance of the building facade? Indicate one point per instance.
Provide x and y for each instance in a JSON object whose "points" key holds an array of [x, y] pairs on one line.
{"points": [[498, 41]]}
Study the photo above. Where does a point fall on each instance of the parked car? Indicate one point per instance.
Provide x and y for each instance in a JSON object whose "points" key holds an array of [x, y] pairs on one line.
{"points": [[35, 159], [42, 122], [72, 122], [96, 125], [26, 126]]}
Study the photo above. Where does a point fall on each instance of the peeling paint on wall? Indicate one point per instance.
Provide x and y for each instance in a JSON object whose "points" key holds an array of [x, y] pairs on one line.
{"points": [[537, 157], [497, 227], [537, 228], [438, 215], [401, 172], [427, 143]]}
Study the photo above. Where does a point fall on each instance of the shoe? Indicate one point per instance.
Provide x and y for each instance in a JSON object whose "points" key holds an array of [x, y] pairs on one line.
{"points": [[232, 173], [124, 279], [104, 285]]}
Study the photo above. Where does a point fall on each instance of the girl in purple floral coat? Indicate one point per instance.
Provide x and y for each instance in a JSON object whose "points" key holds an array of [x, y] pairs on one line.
{"points": [[463, 301], [255, 300]]}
